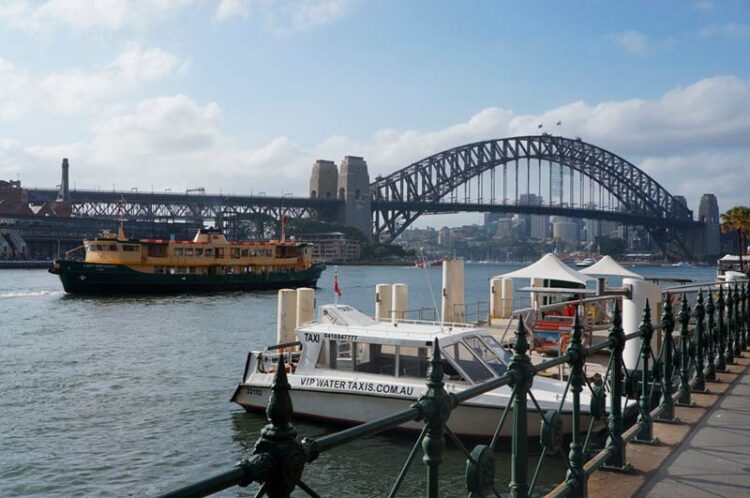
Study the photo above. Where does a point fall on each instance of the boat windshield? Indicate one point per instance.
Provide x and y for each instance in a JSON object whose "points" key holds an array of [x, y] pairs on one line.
{"points": [[469, 364], [487, 355], [495, 346]]}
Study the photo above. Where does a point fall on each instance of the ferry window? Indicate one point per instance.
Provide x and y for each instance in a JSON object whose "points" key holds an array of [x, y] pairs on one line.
{"points": [[376, 359], [178, 251], [462, 356], [189, 251], [413, 362], [209, 253], [191, 270], [235, 253], [485, 353], [198, 251], [244, 253], [112, 247], [129, 248], [157, 251], [219, 252]]}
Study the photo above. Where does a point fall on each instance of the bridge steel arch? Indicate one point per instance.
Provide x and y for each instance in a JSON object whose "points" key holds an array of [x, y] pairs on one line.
{"points": [[401, 197]]}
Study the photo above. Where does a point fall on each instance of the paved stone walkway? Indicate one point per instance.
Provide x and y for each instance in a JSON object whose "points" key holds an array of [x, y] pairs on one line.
{"points": [[714, 461]]}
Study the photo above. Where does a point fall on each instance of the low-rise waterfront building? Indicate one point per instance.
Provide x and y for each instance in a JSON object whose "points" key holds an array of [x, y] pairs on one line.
{"points": [[333, 246]]}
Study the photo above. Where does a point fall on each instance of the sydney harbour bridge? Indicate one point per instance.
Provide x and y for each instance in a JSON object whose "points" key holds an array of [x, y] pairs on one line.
{"points": [[536, 175]]}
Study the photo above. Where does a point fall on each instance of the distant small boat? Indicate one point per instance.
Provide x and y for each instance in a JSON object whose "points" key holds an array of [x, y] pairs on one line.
{"points": [[683, 263], [585, 262], [427, 264]]}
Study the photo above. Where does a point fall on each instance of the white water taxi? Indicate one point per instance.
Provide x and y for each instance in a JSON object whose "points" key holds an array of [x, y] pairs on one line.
{"points": [[349, 368]]}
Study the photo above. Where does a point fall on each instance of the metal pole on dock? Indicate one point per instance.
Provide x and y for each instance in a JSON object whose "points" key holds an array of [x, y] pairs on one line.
{"points": [[523, 375], [721, 357], [684, 398], [667, 325], [437, 406], [576, 475], [646, 423], [617, 457], [711, 333], [699, 379], [737, 323], [744, 297]]}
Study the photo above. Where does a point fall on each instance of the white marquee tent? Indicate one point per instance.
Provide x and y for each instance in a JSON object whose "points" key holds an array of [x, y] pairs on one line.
{"points": [[609, 267]]}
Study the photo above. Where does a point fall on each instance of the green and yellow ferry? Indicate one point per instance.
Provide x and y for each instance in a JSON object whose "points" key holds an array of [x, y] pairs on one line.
{"points": [[209, 263]]}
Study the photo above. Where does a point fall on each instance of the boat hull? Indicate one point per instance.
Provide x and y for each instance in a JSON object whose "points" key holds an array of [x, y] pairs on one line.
{"points": [[469, 420], [93, 278]]}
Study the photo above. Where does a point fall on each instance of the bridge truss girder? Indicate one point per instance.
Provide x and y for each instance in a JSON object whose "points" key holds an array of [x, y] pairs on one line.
{"points": [[398, 199]]}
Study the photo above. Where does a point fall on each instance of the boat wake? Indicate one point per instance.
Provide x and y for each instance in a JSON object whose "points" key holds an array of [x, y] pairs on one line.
{"points": [[22, 293]]}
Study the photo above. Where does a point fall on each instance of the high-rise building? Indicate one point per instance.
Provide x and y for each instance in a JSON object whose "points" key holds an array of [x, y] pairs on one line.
{"points": [[708, 213], [564, 229], [537, 225]]}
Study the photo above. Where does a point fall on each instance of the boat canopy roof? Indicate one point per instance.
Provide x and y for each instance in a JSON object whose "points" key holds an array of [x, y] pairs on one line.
{"points": [[557, 290], [731, 257], [549, 267], [609, 267], [345, 323]]}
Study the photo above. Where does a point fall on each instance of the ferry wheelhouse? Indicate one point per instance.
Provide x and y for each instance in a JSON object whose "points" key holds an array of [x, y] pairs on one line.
{"points": [[116, 264], [349, 368]]}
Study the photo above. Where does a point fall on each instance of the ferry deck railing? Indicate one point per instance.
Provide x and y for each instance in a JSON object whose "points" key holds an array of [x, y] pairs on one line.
{"points": [[684, 364]]}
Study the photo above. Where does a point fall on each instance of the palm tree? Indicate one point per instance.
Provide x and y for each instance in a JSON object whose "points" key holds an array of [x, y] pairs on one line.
{"points": [[737, 219]]}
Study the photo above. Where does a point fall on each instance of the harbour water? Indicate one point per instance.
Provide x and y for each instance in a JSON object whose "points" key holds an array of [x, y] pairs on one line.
{"points": [[129, 396]]}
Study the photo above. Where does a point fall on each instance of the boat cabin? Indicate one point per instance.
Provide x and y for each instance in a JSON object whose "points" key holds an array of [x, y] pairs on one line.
{"points": [[208, 253], [348, 341]]}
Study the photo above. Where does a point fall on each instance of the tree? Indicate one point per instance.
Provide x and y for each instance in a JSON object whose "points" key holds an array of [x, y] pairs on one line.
{"points": [[737, 219]]}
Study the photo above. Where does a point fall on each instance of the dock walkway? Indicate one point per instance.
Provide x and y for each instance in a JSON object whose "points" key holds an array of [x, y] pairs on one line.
{"points": [[715, 459]]}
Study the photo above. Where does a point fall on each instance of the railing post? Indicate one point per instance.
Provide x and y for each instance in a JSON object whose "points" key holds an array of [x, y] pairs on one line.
{"points": [[435, 406], [721, 357], [667, 327], [617, 459], [279, 439], [646, 423], [729, 328], [699, 379], [576, 475], [684, 398], [737, 323], [711, 334], [744, 297], [523, 376]]}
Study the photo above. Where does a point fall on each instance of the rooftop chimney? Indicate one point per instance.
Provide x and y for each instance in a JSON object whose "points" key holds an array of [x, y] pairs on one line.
{"points": [[64, 193]]}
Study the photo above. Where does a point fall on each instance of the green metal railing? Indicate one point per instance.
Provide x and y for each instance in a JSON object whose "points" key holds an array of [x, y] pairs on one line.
{"points": [[721, 333]]}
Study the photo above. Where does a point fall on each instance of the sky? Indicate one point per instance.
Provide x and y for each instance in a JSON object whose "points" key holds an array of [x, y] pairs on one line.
{"points": [[242, 96]]}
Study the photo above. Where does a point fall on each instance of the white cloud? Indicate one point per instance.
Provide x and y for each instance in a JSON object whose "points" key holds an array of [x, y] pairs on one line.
{"points": [[692, 139], [78, 90], [228, 9], [14, 99], [633, 42], [281, 16], [85, 14], [728, 30], [285, 16]]}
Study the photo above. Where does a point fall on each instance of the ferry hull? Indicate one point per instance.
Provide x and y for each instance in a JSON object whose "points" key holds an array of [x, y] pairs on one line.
{"points": [[95, 278], [466, 420]]}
